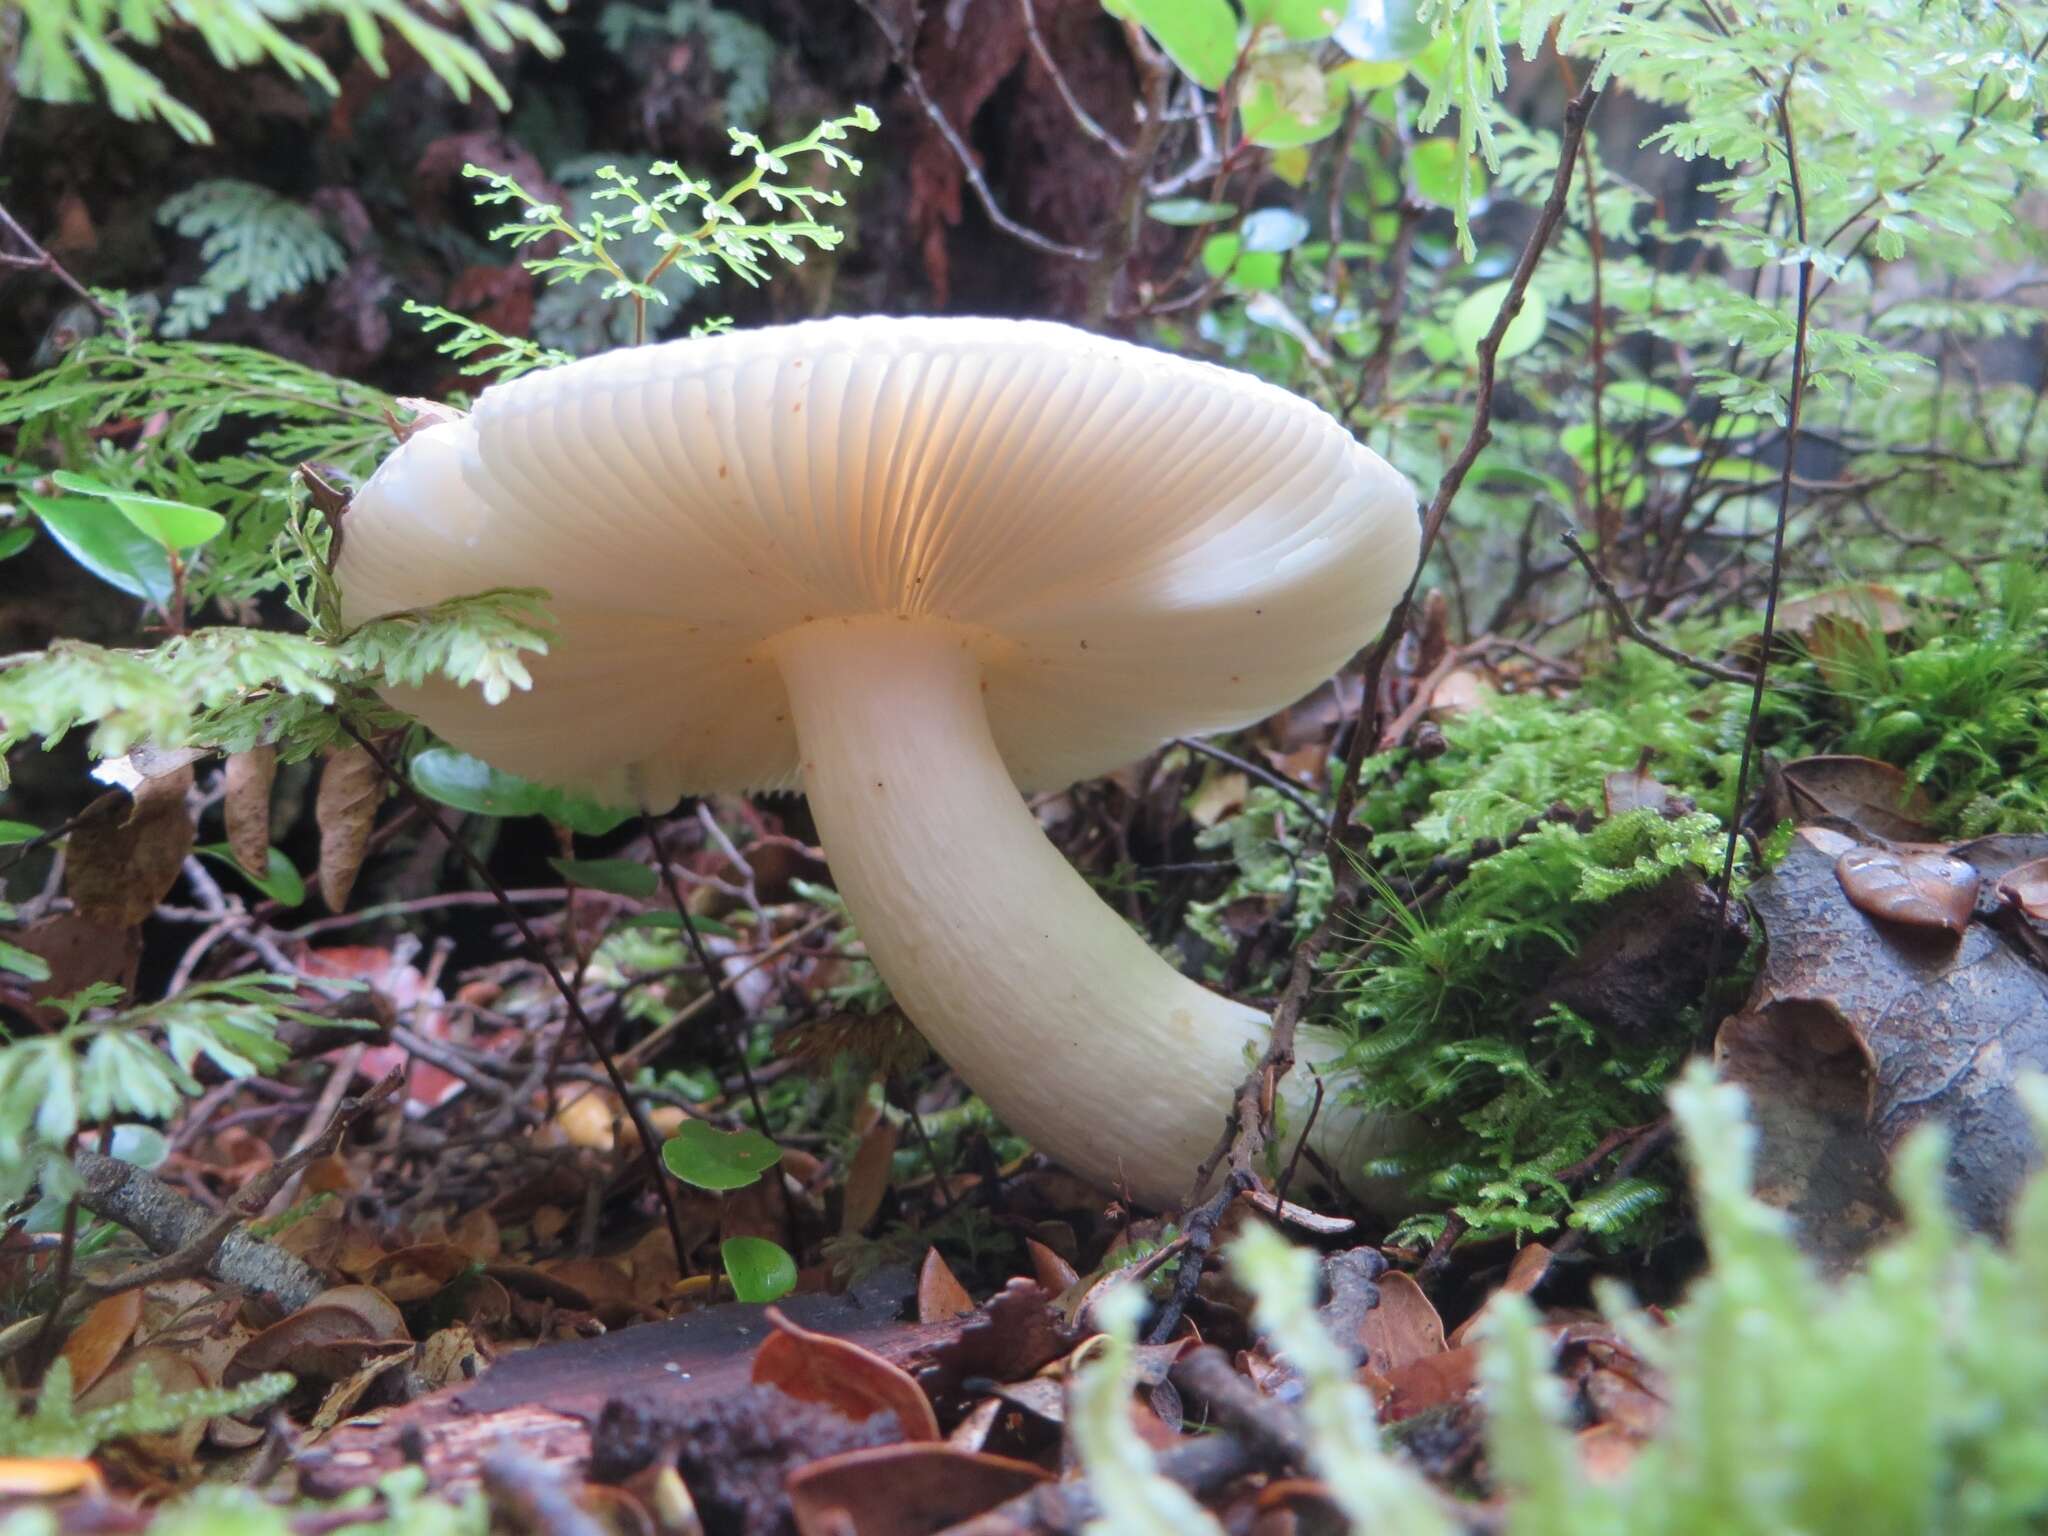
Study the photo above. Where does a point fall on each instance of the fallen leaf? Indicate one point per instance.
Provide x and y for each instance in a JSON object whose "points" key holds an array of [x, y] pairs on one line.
{"points": [[172, 1371], [350, 789], [1431, 1382], [329, 1340], [1920, 888], [1939, 1031], [855, 1382], [1221, 794], [120, 863], [2027, 888], [904, 1490], [1859, 794], [1051, 1271], [1524, 1274], [1460, 692], [97, 1342], [1402, 1329], [939, 1294], [246, 807], [867, 1177], [1638, 791]]}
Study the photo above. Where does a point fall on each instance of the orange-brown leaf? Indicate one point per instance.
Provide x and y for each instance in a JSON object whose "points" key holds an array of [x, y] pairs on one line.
{"points": [[1914, 888], [939, 1294], [855, 1382], [247, 807], [345, 809]]}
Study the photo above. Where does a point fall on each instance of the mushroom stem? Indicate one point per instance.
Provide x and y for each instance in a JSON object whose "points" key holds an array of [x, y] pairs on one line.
{"points": [[1045, 1001]]}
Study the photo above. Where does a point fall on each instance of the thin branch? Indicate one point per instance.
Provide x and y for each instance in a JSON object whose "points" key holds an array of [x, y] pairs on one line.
{"points": [[969, 166], [40, 260], [650, 1147], [1251, 769], [1804, 303], [1618, 607], [1083, 118]]}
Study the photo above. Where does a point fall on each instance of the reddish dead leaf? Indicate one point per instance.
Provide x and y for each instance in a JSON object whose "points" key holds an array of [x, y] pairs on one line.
{"points": [[350, 789], [248, 778], [939, 1294], [79, 951], [1523, 1276], [45, 1477], [122, 862], [415, 1273], [855, 1382], [2027, 889], [1051, 1271], [1461, 691], [1915, 889], [904, 1490], [973, 1430], [1606, 1452], [1403, 1328], [97, 1342], [1859, 794], [867, 1177], [1430, 1382]]}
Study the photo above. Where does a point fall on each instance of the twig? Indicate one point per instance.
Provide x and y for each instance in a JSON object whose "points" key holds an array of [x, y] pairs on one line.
{"points": [[1804, 301], [1251, 769], [194, 1241], [969, 166], [1083, 119], [40, 260], [650, 1147], [1635, 631]]}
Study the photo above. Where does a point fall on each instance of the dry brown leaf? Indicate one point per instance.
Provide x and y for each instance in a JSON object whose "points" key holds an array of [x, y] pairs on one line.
{"points": [[97, 1342], [249, 777], [1917, 888], [1906, 1032], [350, 790], [1860, 794], [1431, 1382], [123, 861], [1638, 791], [939, 1294], [1404, 1328], [1052, 1271], [1221, 793], [173, 1371], [328, 1340], [1460, 692], [2027, 888], [856, 1382], [867, 1178], [904, 1490]]}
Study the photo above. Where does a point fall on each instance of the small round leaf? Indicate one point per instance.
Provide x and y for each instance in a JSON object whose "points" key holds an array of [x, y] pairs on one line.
{"points": [[758, 1269], [703, 1156]]}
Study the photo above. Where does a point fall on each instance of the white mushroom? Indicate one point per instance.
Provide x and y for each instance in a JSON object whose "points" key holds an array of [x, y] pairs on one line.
{"points": [[914, 565]]}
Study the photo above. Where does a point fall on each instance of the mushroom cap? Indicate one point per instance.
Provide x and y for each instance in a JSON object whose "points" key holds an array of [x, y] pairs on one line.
{"points": [[1138, 545]]}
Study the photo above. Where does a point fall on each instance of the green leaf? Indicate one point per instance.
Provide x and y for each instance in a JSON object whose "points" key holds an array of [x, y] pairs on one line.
{"points": [[672, 922], [1638, 398], [1257, 271], [1190, 210], [281, 881], [703, 1156], [1382, 31], [1474, 318], [173, 524], [103, 541], [622, 877], [1273, 229], [1220, 253], [17, 832], [1291, 101], [18, 960], [1437, 165], [758, 1269], [15, 540], [471, 784], [1198, 35]]}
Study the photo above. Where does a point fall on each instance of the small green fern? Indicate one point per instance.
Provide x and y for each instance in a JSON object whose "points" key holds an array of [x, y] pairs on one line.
{"points": [[258, 247], [57, 1426]]}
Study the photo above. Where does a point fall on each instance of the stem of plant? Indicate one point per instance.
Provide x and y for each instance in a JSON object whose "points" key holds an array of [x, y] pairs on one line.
{"points": [[650, 1149], [1763, 662]]}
